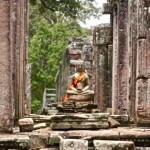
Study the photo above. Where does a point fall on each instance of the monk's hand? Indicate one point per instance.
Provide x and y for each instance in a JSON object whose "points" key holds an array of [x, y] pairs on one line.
{"points": [[80, 91], [74, 89]]}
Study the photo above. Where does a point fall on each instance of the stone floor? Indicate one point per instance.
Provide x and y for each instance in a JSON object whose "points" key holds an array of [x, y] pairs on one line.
{"points": [[48, 139]]}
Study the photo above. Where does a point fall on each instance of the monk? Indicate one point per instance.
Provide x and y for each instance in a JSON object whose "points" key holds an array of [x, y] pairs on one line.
{"points": [[80, 83]]}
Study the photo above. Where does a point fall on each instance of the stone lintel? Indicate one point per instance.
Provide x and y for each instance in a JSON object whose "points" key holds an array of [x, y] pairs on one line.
{"points": [[107, 8]]}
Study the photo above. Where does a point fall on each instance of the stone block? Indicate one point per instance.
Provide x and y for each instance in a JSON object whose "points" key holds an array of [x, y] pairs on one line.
{"points": [[113, 145], [75, 56], [79, 125], [40, 118], [10, 141], [88, 65], [102, 35], [25, 121], [142, 16], [50, 148], [73, 144], [26, 124], [113, 123], [54, 139], [39, 126], [76, 62], [122, 119], [75, 51], [107, 8], [143, 109], [142, 68], [38, 140]]}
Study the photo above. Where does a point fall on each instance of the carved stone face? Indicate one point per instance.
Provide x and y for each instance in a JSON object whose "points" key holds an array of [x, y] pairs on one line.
{"points": [[80, 68]]}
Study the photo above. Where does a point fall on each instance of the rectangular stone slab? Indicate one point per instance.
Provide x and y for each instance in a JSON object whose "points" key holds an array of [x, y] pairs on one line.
{"points": [[73, 144], [122, 119], [113, 145], [82, 117], [108, 134], [79, 125], [20, 142]]}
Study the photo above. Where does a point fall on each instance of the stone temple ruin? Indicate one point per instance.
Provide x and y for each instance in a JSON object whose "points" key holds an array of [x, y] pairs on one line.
{"points": [[117, 60]]}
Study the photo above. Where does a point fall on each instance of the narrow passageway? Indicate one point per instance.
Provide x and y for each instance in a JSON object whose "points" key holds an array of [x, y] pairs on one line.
{"points": [[104, 78]]}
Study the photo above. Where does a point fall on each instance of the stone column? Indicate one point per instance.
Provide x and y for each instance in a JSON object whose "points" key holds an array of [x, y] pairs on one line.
{"points": [[143, 64], [6, 91], [13, 58], [102, 38], [132, 51], [115, 60], [120, 57], [20, 56]]}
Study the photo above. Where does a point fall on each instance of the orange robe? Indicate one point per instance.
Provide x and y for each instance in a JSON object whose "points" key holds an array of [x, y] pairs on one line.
{"points": [[74, 84]]}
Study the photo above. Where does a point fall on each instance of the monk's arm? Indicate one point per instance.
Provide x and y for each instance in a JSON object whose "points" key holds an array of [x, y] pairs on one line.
{"points": [[86, 85]]}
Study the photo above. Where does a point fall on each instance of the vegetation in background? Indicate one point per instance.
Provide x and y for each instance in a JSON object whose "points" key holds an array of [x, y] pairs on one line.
{"points": [[51, 23]]}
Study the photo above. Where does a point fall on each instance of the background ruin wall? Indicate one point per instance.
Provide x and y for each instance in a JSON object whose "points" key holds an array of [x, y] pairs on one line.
{"points": [[78, 48]]}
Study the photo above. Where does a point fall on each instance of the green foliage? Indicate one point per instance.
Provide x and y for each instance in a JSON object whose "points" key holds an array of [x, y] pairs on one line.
{"points": [[36, 104], [71, 8], [76, 9]]}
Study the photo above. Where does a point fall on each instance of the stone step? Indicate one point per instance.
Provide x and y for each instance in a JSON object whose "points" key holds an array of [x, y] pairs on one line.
{"points": [[79, 125], [80, 121]]}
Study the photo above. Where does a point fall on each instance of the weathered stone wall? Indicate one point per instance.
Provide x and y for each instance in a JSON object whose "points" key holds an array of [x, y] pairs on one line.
{"points": [[131, 58], [78, 48], [13, 34], [143, 63]]}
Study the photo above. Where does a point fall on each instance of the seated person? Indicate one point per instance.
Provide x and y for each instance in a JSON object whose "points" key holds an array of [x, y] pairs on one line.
{"points": [[80, 81], [80, 86]]}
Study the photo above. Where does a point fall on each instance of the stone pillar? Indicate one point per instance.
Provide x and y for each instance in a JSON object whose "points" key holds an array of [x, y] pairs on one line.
{"points": [[132, 51], [143, 64], [28, 90], [115, 60], [6, 93], [20, 54], [13, 33], [120, 57], [102, 38]]}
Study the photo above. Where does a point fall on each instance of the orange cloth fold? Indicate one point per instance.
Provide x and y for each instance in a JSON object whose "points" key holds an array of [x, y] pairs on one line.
{"points": [[74, 84]]}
